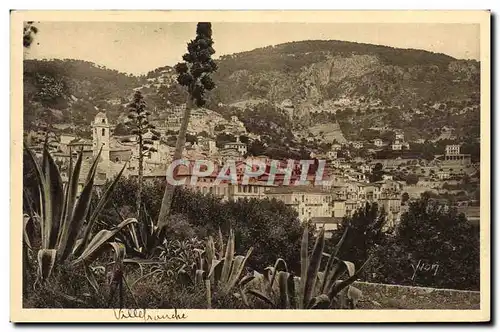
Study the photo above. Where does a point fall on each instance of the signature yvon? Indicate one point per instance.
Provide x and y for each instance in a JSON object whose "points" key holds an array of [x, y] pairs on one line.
{"points": [[148, 315]]}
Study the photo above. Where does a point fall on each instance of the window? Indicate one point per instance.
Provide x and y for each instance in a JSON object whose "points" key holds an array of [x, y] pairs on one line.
{"points": [[255, 189], [117, 159], [103, 120], [103, 131]]}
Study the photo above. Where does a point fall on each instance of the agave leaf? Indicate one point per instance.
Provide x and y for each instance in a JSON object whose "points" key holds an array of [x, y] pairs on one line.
{"points": [[280, 263], [221, 244], [199, 277], [292, 291], [78, 244], [339, 244], [119, 251], [71, 193], [332, 275], [237, 268], [245, 280], [350, 268], [341, 285], [283, 287], [80, 212], [46, 261], [27, 229], [312, 273], [97, 243], [41, 183], [268, 273], [262, 297], [215, 270], [100, 205], [319, 302], [91, 278], [228, 261], [244, 297], [210, 250], [57, 198], [303, 266], [47, 215]]}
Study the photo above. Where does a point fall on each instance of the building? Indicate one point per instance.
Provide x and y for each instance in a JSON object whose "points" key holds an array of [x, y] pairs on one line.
{"points": [[453, 157], [332, 154], [238, 146], [331, 224], [397, 146], [452, 150], [254, 189], [357, 145], [336, 147], [378, 142], [309, 202], [100, 138], [64, 141]]}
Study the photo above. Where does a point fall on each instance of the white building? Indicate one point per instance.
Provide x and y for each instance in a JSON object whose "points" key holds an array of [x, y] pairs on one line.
{"points": [[238, 146], [309, 202], [453, 150], [100, 137]]}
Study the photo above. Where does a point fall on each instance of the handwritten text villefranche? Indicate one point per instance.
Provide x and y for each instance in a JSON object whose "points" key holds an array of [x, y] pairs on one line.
{"points": [[148, 315]]}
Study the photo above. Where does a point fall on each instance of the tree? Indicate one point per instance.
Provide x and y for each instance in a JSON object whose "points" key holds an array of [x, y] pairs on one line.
{"points": [[28, 31], [194, 74], [244, 139], [365, 232], [433, 246], [256, 148], [411, 179], [377, 173], [121, 129], [405, 197], [140, 126]]}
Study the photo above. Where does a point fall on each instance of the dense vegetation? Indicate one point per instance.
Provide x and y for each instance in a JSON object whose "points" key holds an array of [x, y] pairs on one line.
{"points": [[402, 256], [68, 236]]}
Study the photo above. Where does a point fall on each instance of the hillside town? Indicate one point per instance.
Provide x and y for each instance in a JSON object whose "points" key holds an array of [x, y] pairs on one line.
{"points": [[348, 183]]}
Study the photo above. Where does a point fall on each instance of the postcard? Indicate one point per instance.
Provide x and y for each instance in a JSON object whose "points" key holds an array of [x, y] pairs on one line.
{"points": [[250, 166]]}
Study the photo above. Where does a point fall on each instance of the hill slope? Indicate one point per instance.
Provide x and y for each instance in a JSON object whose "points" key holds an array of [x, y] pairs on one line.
{"points": [[358, 85]]}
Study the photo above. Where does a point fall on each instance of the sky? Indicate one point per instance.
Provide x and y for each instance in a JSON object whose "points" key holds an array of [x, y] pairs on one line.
{"points": [[137, 48]]}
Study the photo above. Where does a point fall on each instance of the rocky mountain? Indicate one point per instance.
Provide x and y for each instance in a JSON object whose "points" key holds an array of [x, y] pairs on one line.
{"points": [[357, 85], [316, 74]]}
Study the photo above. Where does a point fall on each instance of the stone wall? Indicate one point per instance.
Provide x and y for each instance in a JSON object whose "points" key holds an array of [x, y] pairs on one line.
{"points": [[383, 296]]}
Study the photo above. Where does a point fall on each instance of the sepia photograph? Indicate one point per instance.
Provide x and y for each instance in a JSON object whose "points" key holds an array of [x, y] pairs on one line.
{"points": [[316, 166]]}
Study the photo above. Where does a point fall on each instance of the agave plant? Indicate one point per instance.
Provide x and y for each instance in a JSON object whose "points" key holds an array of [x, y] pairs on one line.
{"points": [[143, 240], [219, 271], [314, 289], [65, 222]]}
